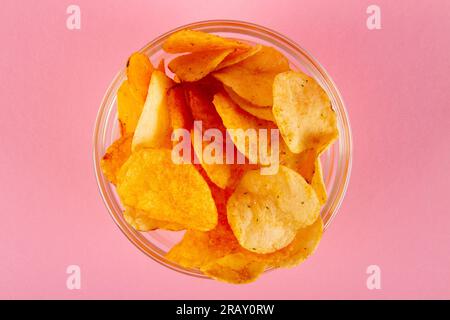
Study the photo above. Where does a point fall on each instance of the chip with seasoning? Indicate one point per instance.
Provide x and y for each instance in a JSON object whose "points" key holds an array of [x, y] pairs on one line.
{"points": [[233, 109]]}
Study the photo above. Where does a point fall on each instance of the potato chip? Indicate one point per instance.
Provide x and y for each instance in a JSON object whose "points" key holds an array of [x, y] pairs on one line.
{"points": [[129, 107], [303, 112], [266, 211], [257, 111], [238, 56], [179, 112], [153, 129], [139, 71], [317, 182], [203, 110], [252, 78], [267, 59], [140, 221], [195, 66], [115, 157], [199, 248], [151, 182], [196, 41], [234, 268], [307, 163], [304, 244], [235, 118], [252, 86]]}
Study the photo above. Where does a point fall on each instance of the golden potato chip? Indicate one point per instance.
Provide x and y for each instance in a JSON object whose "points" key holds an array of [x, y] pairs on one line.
{"points": [[195, 66], [151, 182], [252, 78], [153, 129], [238, 56], [115, 157], [139, 71], [317, 182], [219, 173], [196, 41], [257, 111], [265, 212], [140, 221], [238, 122], [253, 86], [267, 59], [203, 110], [303, 112], [304, 244], [179, 113], [129, 107], [303, 163], [234, 268], [199, 248]]}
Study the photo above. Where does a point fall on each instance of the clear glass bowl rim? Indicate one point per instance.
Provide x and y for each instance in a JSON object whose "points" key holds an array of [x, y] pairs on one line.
{"points": [[345, 138]]}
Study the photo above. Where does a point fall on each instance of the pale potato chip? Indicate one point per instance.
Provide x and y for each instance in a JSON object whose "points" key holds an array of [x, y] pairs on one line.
{"points": [[140, 221], [115, 156], [129, 107], [303, 163], [257, 111], [195, 66], [303, 112], [265, 212], [196, 41], [151, 182], [238, 123], [153, 129], [139, 71], [234, 268], [304, 244], [238, 56]]}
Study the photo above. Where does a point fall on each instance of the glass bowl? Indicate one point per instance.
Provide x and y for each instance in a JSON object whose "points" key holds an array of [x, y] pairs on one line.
{"points": [[336, 161]]}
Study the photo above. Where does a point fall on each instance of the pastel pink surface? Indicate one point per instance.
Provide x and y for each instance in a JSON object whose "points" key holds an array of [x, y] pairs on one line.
{"points": [[395, 84]]}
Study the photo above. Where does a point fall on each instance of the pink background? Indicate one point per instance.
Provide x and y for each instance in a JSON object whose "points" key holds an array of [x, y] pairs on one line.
{"points": [[395, 82]]}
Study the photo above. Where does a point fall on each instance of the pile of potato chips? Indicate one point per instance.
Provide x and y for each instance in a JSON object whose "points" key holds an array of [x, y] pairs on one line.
{"points": [[238, 221]]}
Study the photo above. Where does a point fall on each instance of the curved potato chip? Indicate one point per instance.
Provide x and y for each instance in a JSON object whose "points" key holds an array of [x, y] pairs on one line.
{"points": [[238, 56], [257, 111], [266, 211], [195, 66], [199, 248], [153, 129], [149, 181], [238, 123], [317, 182], [234, 268], [195, 41], [179, 113], [115, 156], [304, 244], [303, 112], [308, 164], [252, 78], [129, 107], [254, 87], [139, 71], [140, 221], [267, 59]]}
